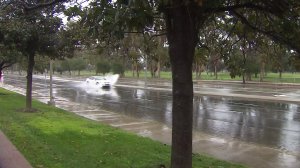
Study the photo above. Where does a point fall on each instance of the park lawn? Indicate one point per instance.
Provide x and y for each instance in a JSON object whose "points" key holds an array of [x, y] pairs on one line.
{"points": [[55, 138], [287, 77]]}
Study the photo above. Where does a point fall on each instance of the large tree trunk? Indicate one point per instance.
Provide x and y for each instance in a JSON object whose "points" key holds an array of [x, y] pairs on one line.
{"points": [[182, 37], [29, 81]]}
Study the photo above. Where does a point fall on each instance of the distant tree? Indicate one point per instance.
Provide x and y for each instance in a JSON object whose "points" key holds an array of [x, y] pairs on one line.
{"points": [[77, 64], [118, 69], [58, 68], [66, 66], [135, 59], [102, 67], [200, 61], [280, 57], [234, 63], [41, 64], [251, 66]]}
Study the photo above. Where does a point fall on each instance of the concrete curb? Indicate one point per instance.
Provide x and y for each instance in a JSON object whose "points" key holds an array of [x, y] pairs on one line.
{"points": [[10, 157]]}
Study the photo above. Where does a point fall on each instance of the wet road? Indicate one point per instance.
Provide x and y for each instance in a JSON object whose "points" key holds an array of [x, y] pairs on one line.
{"points": [[276, 125]]}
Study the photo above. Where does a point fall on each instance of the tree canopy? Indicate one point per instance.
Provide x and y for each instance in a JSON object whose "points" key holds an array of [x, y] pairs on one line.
{"points": [[232, 26]]}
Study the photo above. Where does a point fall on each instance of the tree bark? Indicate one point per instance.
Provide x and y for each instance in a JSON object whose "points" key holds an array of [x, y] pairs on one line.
{"points": [[29, 81], [182, 35]]}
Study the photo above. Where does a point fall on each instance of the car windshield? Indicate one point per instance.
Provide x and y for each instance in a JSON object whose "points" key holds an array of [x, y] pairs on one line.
{"points": [[99, 78]]}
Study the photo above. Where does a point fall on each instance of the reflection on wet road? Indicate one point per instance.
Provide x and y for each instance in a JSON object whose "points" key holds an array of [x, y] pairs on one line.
{"points": [[268, 123]]}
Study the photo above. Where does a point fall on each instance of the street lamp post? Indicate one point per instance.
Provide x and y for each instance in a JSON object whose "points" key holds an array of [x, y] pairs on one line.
{"points": [[51, 102], [146, 69]]}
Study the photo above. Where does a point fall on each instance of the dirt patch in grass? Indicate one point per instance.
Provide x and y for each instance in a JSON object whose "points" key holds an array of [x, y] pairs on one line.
{"points": [[25, 110]]}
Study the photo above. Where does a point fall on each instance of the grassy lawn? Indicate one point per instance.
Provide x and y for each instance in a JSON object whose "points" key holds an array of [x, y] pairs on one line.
{"points": [[270, 77], [54, 138]]}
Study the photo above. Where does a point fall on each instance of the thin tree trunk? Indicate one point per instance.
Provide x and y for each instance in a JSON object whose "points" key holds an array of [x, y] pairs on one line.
{"points": [[262, 71], [158, 68], [216, 72], [182, 37], [200, 72], [29, 81], [137, 70], [248, 77], [244, 62], [133, 70], [280, 74], [196, 70], [244, 81]]}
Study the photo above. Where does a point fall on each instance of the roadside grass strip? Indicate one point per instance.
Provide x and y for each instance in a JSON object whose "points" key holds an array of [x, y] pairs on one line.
{"points": [[54, 138]]}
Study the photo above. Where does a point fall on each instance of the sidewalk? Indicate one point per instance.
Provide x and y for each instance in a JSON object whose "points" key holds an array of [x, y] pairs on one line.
{"points": [[10, 157]]}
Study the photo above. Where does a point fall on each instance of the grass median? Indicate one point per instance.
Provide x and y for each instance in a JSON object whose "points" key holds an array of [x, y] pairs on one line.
{"points": [[54, 138]]}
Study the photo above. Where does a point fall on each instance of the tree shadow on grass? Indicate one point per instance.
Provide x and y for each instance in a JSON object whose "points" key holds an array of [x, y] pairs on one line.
{"points": [[26, 110]]}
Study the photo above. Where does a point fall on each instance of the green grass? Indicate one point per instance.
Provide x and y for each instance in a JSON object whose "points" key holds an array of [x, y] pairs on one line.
{"points": [[54, 138], [270, 77]]}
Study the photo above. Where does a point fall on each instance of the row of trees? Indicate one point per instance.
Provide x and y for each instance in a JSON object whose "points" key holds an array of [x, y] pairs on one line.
{"points": [[236, 32], [259, 60]]}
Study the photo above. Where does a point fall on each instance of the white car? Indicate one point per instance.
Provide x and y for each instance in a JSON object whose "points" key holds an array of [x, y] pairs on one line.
{"points": [[98, 81]]}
